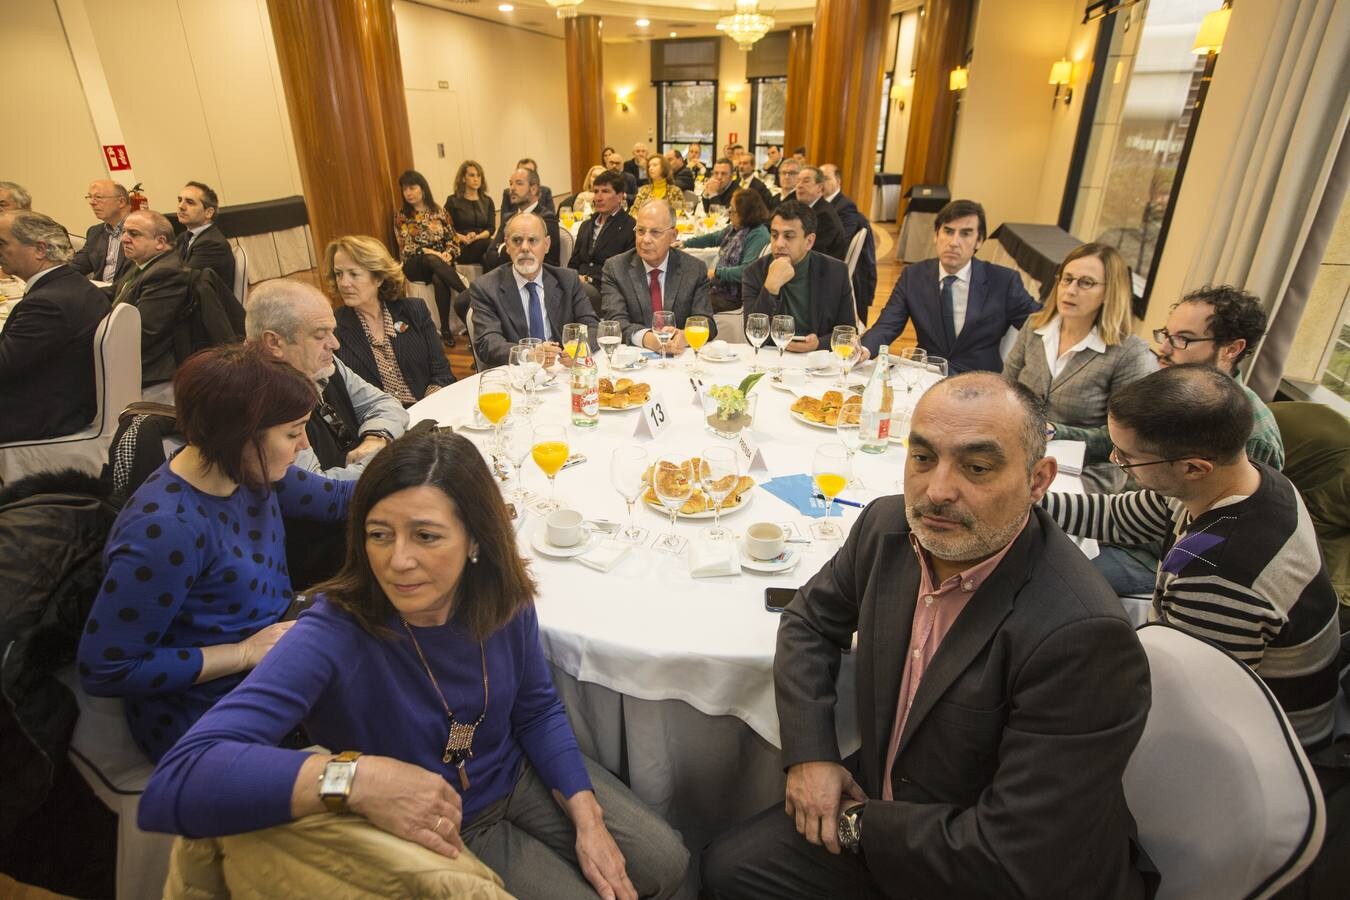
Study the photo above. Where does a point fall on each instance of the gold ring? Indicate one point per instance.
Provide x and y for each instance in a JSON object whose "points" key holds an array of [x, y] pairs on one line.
{"points": [[437, 827]]}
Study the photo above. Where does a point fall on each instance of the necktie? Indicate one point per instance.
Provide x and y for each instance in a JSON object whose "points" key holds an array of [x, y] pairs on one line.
{"points": [[948, 312], [536, 312], [184, 240], [657, 303]]}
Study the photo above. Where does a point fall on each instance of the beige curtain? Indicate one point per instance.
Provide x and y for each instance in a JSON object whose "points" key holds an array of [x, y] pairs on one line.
{"points": [[1252, 210]]}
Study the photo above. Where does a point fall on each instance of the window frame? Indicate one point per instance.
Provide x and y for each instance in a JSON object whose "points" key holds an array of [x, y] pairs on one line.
{"points": [[663, 143], [755, 143]]}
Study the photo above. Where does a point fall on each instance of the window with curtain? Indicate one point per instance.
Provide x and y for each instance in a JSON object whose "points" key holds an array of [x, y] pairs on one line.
{"points": [[883, 120], [1336, 375], [686, 112], [768, 113]]}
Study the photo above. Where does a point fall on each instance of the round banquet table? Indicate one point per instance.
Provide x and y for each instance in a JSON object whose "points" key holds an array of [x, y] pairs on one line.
{"points": [[667, 678]]}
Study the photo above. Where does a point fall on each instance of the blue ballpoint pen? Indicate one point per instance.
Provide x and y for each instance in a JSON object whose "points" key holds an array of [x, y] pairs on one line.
{"points": [[842, 502]]}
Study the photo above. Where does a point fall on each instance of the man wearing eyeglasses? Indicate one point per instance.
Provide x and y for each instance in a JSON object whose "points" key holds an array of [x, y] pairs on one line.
{"points": [[101, 257], [655, 276], [1240, 565], [1220, 326]]}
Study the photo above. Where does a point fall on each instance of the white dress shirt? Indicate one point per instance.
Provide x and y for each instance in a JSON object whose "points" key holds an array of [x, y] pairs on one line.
{"points": [[194, 233], [1050, 338], [32, 282], [960, 294], [647, 280], [524, 292], [109, 271]]}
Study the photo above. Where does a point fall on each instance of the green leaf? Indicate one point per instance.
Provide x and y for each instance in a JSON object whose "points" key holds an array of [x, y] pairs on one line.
{"points": [[749, 383]]}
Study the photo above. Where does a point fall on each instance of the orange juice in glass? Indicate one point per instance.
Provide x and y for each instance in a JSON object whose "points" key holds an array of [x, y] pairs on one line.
{"points": [[494, 399], [572, 339], [696, 332], [549, 452]]}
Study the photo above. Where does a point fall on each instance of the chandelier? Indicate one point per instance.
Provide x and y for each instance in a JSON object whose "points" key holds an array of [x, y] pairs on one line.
{"points": [[746, 26], [567, 9]]}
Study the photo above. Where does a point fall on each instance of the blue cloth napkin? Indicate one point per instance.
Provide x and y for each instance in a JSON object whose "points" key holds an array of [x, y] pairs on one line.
{"points": [[799, 492]]}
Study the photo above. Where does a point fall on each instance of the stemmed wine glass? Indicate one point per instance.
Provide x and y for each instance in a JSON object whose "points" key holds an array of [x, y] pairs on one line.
{"points": [[549, 451], [850, 438], [523, 364], [573, 334], [663, 326], [757, 332], [718, 475], [936, 365], [909, 364], [517, 441], [783, 329], [627, 466], [696, 335], [673, 484], [844, 343], [494, 399], [609, 337], [831, 471]]}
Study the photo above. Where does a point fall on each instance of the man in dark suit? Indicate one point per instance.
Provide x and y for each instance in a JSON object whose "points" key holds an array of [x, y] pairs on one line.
{"points": [[608, 233], [810, 191], [203, 245], [986, 768], [751, 182], [775, 157], [101, 256], [527, 298], [795, 280], [637, 166], [47, 345], [522, 197], [157, 283], [614, 162], [680, 174], [654, 276], [865, 273], [718, 189], [545, 192], [961, 306]]}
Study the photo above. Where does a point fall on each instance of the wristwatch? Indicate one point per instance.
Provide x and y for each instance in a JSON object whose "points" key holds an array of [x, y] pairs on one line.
{"points": [[335, 784], [850, 827], [379, 433]]}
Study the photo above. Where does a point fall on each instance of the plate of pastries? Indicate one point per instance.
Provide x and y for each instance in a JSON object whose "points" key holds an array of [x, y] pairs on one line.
{"points": [[623, 393], [826, 410], [698, 506]]}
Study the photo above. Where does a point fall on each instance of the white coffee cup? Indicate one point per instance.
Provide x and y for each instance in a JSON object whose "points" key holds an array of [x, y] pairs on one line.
{"points": [[563, 528], [820, 359], [764, 540], [718, 349], [626, 356], [793, 377]]}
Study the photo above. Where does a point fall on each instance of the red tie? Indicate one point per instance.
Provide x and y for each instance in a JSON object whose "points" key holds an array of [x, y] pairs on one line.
{"points": [[657, 305]]}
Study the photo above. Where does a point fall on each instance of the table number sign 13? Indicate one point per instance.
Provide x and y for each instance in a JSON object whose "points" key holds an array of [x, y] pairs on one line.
{"points": [[654, 418]]}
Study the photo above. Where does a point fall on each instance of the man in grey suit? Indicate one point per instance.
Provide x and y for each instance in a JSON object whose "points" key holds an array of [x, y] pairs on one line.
{"points": [[156, 283], [101, 256], [986, 768], [655, 276], [527, 298]]}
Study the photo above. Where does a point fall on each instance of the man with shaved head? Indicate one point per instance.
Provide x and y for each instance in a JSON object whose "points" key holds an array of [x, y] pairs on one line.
{"points": [[157, 283], [986, 767], [101, 256]]}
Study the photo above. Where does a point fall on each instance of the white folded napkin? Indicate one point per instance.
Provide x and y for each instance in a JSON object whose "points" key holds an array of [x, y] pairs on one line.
{"points": [[1069, 455], [718, 349], [626, 356], [605, 555], [708, 559]]}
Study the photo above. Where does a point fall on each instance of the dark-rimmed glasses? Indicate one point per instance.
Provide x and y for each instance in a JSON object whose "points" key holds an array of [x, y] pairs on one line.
{"points": [[1114, 456], [1179, 341]]}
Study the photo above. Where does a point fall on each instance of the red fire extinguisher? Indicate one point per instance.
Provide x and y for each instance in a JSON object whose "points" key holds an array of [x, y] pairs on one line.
{"points": [[138, 199]]}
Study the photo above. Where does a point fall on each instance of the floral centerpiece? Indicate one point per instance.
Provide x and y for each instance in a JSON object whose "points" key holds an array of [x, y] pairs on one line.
{"points": [[731, 409]]}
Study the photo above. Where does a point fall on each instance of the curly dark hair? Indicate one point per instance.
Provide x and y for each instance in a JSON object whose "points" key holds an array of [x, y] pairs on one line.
{"points": [[1237, 315]]}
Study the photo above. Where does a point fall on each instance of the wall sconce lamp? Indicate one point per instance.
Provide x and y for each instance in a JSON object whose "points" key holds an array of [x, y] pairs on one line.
{"points": [[1061, 74], [1212, 30], [901, 91], [733, 94], [623, 95], [958, 79]]}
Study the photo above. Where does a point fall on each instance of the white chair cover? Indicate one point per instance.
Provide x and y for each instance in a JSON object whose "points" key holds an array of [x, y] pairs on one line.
{"points": [[240, 273], [567, 242], [1226, 801]]}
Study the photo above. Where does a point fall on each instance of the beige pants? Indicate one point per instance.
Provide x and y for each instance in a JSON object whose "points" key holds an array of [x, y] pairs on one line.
{"points": [[331, 856]]}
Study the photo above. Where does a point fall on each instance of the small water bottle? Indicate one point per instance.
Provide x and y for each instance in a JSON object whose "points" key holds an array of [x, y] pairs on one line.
{"points": [[585, 385], [874, 424]]}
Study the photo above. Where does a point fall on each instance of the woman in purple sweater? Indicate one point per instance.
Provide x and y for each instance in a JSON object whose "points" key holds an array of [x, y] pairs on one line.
{"points": [[421, 662]]}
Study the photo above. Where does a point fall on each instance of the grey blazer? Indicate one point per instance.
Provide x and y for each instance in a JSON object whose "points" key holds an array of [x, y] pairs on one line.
{"points": [[499, 318], [625, 293], [1077, 398]]}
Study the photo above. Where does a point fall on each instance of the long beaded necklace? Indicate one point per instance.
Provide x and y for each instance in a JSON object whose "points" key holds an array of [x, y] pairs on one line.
{"points": [[459, 744]]}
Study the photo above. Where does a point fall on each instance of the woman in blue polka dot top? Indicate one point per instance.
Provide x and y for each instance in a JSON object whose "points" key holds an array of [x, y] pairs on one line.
{"points": [[195, 579]]}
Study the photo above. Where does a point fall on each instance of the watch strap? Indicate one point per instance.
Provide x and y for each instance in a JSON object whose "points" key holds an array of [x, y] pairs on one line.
{"points": [[337, 803]]}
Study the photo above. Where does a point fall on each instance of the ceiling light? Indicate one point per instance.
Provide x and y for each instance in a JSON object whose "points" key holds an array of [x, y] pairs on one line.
{"points": [[747, 25], [505, 7], [567, 9], [643, 23], [674, 34]]}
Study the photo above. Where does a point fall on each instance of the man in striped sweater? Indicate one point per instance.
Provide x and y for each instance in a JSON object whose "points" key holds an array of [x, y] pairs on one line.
{"points": [[1240, 564]]}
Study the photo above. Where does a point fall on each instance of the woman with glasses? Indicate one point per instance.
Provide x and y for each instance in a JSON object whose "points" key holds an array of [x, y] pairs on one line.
{"points": [[739, 244], [386, 338], [1078, 350], [195, 571], [427, 244]]}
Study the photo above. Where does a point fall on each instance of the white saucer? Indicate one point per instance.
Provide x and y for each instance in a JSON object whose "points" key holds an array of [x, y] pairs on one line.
{"points": [[730, 357], [784, 561], [539, 541]]}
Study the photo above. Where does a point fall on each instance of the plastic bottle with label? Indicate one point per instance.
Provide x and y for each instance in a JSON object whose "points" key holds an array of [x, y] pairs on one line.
{"points": [[874, 424], [585, 385]]}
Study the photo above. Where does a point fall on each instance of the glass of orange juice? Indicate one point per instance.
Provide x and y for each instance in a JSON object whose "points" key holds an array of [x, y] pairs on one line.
{"points": [[696, 335], [494, 399], [831, 470], [572, 338], [844, 342], [549, 452]]}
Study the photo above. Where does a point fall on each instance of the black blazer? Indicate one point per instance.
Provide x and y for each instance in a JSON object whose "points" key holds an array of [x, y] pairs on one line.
{"points": [[768, 196], [88, 260], [589, 255], [550, 225], [209, 251], [830, 238], [724, 198], [625, 292], [831, 295], [684, 179], [47, 358], [417, 350], [160, 291], [468, 216], [996, 301], [638, 171], [630, 184], [865, 274], [545, 203], [499, 316], [1007, 782]]}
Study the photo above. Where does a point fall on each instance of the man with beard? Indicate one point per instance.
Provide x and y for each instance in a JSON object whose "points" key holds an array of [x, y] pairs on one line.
{"points": [[986, 768]]}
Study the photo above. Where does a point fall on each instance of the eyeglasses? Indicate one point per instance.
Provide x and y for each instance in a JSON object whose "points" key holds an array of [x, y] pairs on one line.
{"points": [[1179, 341], [97, 197], [654, 233], [1115, 457], [346, 440], [1084, 283]]}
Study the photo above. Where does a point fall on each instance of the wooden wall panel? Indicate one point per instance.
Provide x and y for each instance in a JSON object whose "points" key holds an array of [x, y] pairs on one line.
{"points": [[798, 87], [941, 47]]}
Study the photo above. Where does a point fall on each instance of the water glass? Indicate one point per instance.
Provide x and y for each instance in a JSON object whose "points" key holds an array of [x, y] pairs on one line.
{"points": [[663, 326], [844, 343], [783, 329], [718, 475], [627, 471], [757, 332], [609, 337], [673, 484]]}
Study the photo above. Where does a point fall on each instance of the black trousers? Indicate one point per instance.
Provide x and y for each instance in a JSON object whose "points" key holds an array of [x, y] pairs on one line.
{"points": [[444, 280]]}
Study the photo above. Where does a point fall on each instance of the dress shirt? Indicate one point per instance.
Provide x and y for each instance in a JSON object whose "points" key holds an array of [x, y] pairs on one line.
{"points": [[960, 294], [934, 616], [1050, 338], [32, 282], [524, 292], [829, 198], [665, 298], [194, 233], [110, 257]]}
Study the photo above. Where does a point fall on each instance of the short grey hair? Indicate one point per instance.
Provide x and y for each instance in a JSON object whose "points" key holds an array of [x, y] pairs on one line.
{"points": [[276, 306], [159, 225], [816, 175], [19, 192], [33, 228]]}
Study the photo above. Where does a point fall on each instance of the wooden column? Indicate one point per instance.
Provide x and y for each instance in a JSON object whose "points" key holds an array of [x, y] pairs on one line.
{"points": [[585, 94], [343, 77], [798, 87], [932, 118], [847, 64]]}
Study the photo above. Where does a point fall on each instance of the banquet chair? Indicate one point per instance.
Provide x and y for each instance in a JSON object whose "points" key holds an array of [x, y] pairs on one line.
{"points": [[240, 273], [854, 253], [117, 382], [566, 243], [423, 291], [473, 348], [690, 200], [1226, 802]]}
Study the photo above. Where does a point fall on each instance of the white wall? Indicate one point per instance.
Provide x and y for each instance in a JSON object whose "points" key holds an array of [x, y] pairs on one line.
{"points": [[507, 97], [628, 67]]}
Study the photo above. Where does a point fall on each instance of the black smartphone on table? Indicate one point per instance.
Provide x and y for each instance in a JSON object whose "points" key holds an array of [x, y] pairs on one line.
{"points": [[777, 598]]}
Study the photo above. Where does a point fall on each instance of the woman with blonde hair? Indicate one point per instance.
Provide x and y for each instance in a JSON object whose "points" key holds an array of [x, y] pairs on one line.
{"points": [[1078, 350], [659, 186], [587, 192], [386, 338]]}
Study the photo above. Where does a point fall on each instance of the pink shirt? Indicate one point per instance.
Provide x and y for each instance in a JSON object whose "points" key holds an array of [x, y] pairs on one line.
{"points": [[934, 615]]}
